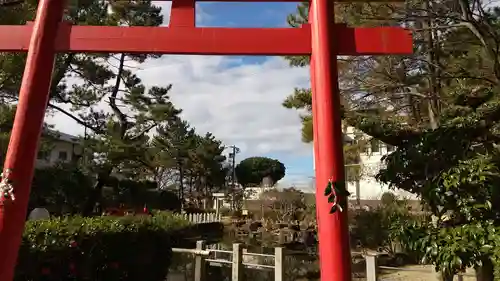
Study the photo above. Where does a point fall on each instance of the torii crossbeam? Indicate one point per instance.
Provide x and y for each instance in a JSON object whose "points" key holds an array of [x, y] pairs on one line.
{"points": [[322, 39]]}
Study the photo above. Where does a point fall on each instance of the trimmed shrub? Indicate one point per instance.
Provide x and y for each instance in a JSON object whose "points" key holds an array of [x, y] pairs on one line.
{"points": [[100, 248]]}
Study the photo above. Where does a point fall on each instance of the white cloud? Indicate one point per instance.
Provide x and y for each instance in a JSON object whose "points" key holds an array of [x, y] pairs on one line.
{"points": [[239, 103]]}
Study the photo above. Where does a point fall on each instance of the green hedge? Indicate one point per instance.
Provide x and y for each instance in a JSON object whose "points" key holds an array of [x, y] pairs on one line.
{"points": [[134, 248]]}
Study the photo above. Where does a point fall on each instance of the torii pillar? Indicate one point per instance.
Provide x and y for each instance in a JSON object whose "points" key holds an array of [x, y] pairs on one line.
{"points": [[322, 39]]}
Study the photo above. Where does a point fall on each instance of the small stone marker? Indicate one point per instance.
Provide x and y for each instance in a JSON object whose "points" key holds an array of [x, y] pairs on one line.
{"points": [[39, 214]]}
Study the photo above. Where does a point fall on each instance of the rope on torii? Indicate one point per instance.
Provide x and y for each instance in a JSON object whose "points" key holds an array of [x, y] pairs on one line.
{"points": [[6, 187]]}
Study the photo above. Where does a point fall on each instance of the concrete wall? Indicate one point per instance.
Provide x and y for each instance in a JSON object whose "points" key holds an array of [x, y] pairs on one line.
{"points": [[370, 188], [62, 151], [371, 163]]}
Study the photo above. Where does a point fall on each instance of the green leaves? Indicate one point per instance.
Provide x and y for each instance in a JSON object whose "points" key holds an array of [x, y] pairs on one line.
{"points": [[60, 188], [455, 170], [198, 160], [336, 194], [251, 171], [453, 248], [441, 109], [76, 248], [329, 190]]}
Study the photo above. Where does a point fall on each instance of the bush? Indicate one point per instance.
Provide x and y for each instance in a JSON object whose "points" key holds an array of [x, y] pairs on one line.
{"points": [[381, 228], [100, 248], [60, 189], [136, 194], [370, 229]]}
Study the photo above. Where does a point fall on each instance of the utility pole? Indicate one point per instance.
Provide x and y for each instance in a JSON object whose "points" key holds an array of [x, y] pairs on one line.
{"points": [[232, 155]]}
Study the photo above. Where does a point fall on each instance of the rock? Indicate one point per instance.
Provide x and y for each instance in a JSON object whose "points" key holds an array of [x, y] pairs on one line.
{"points": [[39, 214]]}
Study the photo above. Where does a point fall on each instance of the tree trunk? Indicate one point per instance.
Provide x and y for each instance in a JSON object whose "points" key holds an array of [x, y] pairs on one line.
{"points": [[486, 271], [445, 276], [96, 193], [181, 184]]}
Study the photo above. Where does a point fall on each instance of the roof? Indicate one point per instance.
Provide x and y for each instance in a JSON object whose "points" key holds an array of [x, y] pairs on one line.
{"points": [[63, 136]]}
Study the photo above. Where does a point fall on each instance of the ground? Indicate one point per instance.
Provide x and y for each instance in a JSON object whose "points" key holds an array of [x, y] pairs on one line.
{"points": [[418, 273]]}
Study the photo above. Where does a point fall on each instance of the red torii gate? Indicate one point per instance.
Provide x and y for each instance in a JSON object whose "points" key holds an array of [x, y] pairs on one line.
{"points": [[321, 38]]}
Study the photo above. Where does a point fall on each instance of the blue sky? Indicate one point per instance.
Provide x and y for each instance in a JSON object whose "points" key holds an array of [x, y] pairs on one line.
{"points": [[246, 14], [221, 14], [238, 99], [260, 15]]}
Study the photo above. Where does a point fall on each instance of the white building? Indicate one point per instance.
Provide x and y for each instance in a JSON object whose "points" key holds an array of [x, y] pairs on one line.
{"points": [[371, 162], [63, 149], [255, 193]]}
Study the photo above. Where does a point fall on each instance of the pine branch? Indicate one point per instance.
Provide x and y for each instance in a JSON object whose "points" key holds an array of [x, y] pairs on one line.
{"points": [[388, 131], [122, 118]]}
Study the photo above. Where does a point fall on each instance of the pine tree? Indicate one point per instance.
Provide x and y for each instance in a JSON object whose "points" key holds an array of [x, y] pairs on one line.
{"points": [[196, 160], [174, 142], [104, 94], [444, 129]]}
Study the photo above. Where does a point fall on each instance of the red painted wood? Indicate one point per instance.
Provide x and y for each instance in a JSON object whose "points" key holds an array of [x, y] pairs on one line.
{"points": [[25, 134], [183, 13], [333, 231], [211, 41], [295, 1], [323, 44]]}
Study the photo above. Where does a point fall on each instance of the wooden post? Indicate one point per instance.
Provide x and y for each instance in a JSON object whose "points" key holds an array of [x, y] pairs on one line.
{"points": [[237, 267], [199, 262], [281, 236], [371, 267], [279, 264], [217, 207]]}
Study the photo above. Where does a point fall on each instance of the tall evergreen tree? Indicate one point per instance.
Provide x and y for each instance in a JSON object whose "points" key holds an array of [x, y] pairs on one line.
{"points": [[175, 141], [197, 161], [441, 116], [104, 94], [208, 167]]}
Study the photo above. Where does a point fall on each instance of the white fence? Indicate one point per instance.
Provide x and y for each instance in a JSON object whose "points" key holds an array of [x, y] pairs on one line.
{"points": [[201, 217], [235, 259]]}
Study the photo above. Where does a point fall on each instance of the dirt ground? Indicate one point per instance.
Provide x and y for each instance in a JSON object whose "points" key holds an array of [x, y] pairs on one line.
{"points": [[419, 273]]}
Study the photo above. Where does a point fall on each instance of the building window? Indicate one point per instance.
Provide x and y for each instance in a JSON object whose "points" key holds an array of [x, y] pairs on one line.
{"points": [[390, 148], [375, 145], [42, 155], [63, 155]]}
